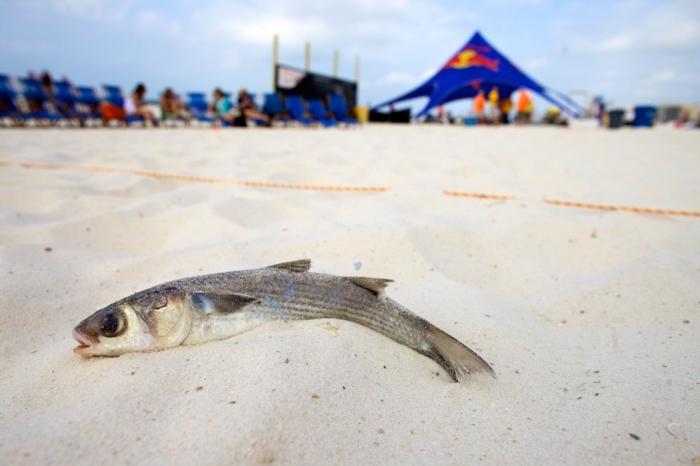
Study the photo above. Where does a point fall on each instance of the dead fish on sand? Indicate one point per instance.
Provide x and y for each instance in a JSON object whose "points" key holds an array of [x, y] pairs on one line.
{"points": [[212, 307]]}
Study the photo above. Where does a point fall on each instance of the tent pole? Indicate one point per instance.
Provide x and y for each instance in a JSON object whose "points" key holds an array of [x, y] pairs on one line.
{"points": [[275, 60], [307, 55], [336, 58], [357, 68]]}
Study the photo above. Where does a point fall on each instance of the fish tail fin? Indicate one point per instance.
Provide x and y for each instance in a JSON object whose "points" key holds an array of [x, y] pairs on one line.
{"points": [[459, 360]]}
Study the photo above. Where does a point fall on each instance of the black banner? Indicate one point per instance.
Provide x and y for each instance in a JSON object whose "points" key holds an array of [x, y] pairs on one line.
{"points": [[293, 81], [393, 116]]}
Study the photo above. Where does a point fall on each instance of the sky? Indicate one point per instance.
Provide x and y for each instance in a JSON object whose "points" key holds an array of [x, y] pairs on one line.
{"points": [[630, 51]]}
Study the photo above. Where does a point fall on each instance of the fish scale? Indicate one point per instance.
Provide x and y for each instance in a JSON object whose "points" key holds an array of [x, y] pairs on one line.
{"points": [[364, 311], [317, 296]]}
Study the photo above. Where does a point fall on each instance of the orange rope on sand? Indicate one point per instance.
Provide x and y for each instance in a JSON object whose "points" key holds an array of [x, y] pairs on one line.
{"points": [[614, 208], [490, 197], [580, 205], [334, 188], [195, 178]]}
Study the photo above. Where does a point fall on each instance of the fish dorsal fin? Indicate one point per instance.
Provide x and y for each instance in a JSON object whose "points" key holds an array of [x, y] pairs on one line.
{"points": [[222, 303], [375, 285], [301, 265]]}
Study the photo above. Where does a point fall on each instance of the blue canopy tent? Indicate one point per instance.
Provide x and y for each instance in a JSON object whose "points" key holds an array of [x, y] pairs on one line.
{"points": [[479, 66]]}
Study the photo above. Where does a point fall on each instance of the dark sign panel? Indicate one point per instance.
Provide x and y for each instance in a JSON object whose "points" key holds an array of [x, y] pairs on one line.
{"points": [[392, 116], [293, 81]]}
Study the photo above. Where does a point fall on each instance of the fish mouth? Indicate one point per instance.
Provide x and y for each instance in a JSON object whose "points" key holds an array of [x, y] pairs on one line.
{"points": [[85, 342]]}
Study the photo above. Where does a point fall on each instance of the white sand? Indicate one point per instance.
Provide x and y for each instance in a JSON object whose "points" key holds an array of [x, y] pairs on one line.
{"points": [[581, 313]]}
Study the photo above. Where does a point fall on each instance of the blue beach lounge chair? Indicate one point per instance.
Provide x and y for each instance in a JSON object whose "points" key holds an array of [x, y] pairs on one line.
{"points": [[66, 99], [114, 96], [272, 105], [8, 107], [274, 109], [295, 107], [198, 107], [88, 104], [34, 94], [319, 113], [339, 109]]}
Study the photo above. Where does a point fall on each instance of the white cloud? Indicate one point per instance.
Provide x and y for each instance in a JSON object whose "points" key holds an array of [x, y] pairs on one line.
{"points": [[664, 75], [259, 30], [399, 78], [518, 2], [617, 43], [536, 63], [402, 79], [83, 9], [158, 23], [674, 26], [673, 32]]}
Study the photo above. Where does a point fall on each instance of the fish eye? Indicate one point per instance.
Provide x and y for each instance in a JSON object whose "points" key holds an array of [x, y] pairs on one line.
{"points": [[113, 324]]}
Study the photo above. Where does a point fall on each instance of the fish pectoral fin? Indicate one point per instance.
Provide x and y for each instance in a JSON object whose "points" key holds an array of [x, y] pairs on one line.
{"points": [[223, 302], [301, 265], [375, 285]]}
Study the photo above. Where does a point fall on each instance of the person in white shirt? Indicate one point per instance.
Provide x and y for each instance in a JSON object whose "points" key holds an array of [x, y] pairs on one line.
{"points": [[135, 105]]}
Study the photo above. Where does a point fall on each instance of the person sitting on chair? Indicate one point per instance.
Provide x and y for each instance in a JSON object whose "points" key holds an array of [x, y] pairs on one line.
{"points": [[222, 109], [171, 107], [136, 106], [249, 110]]}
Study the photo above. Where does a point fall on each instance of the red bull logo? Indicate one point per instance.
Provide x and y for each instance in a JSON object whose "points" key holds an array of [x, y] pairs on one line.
{"points": [[471, 57]]}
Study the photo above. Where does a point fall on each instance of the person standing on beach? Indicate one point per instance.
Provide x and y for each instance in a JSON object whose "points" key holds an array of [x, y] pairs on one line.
{"points": [[479, 104], [524, 107], [493, 103], [505, 106]]}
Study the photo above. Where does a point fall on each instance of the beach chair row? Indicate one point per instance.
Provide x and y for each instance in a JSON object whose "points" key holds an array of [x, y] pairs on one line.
{"points": [[309, 112], [289, 109], [69, 103], [35, 101]]}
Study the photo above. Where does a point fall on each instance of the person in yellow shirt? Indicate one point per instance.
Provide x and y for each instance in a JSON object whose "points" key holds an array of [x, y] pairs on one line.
{"points": [[524, 107], [506, 105], [493, 103]]}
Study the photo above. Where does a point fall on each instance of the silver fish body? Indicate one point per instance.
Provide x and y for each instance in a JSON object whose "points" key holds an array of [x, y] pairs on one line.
{"points": [[212, 307]]}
